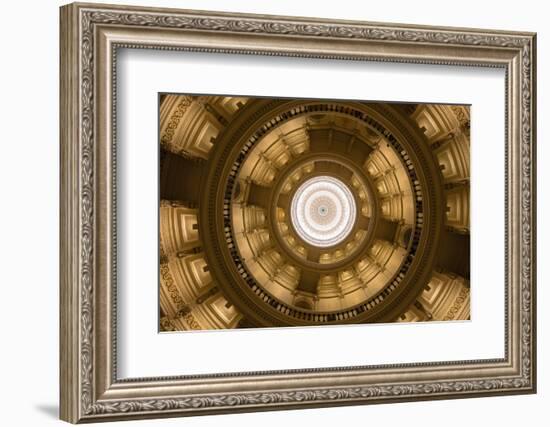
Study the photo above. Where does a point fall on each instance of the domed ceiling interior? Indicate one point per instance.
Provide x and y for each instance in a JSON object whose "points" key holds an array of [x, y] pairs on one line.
{"points": [[308, 212]]}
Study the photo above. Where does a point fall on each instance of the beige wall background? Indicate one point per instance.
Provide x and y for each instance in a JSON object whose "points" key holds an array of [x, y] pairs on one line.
{"points": [[29, 170]]}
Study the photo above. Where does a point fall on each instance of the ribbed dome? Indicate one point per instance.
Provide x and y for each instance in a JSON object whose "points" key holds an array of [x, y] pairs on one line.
{"points": [[294, 212]]}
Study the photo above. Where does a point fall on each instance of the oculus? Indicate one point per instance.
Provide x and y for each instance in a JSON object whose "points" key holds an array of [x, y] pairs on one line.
{"points": [[323, 211]]}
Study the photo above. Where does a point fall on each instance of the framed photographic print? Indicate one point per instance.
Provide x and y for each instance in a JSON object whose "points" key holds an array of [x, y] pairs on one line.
{"points": [[265, 212]]}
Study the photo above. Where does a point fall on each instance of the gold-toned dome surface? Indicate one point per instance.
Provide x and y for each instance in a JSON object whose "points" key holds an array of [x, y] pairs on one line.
{"points": [[281, 212]]}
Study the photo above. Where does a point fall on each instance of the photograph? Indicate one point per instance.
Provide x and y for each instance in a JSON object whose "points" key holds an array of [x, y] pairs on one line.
{"points": [[331, 212]]}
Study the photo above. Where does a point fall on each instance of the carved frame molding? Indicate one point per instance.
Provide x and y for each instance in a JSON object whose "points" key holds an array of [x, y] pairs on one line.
{"points": [[90, 36]]}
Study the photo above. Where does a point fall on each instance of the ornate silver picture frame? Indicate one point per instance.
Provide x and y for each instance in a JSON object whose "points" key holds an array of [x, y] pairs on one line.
{"points": [[91, 36]]}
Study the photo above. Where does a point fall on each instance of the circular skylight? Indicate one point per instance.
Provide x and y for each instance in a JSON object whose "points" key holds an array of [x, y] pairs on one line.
{"points": [[323, 211]]}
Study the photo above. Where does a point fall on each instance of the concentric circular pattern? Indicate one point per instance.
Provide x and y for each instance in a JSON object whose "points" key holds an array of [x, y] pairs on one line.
{"points": [[323, 211], [288, 212], [331, 253]]}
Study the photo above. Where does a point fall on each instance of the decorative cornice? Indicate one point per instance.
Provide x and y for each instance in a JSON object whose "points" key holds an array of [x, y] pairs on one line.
{"points": [[463, 117], [169, 284], [458, 303], [173, 123]]}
